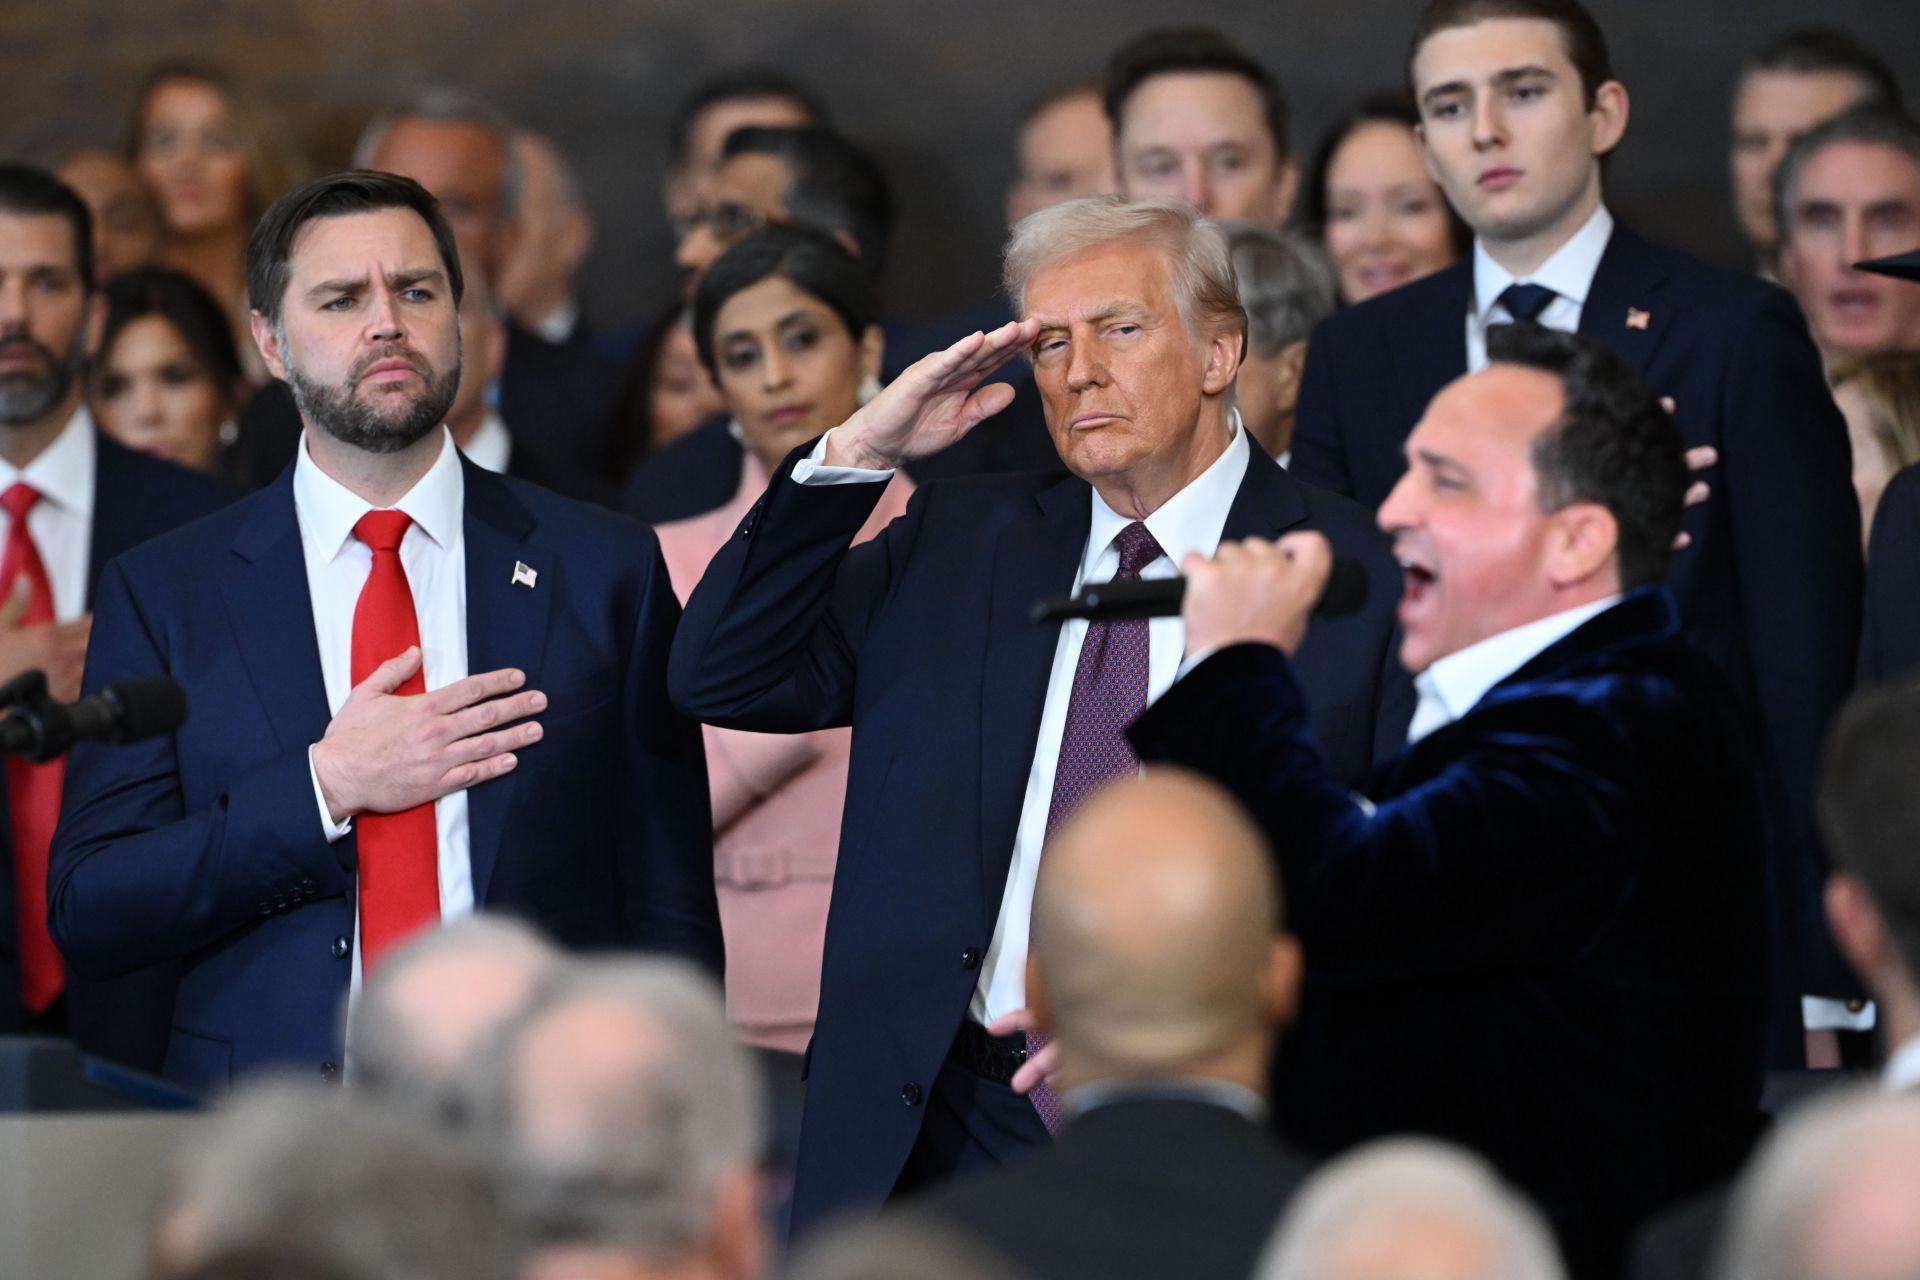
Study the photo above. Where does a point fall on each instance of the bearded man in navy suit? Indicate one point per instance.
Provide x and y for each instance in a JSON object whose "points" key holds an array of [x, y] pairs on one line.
{"points": [[1519, 109], [1537, 930]]}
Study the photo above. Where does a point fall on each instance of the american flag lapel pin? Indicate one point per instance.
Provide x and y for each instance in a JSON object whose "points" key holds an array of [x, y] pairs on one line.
{"points": [[524, 575], [1638, 319]]}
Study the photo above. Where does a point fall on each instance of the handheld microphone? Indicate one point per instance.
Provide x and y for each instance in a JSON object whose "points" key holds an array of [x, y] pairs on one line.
{"points": [[125, 712], [1345, 593]]}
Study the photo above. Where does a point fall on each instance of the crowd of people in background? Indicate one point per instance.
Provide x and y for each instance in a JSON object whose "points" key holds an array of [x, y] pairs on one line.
{"points": [[1225, 1027]]}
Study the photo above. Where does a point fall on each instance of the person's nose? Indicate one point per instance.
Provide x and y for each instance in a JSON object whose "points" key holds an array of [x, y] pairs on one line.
{"points": [[1489, 123], [146, 402], [1376, 226], [1195, 188], [1084, 367], [383, 317], [1398, 513], [776, 372]]}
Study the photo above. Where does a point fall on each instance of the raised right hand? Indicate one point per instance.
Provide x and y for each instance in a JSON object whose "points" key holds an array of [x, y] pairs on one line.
{"points": [[384, 753], [932, 403], [59, 648]]}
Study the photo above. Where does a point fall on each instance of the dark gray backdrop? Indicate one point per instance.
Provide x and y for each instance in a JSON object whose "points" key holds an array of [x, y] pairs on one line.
{"points": [[935, 89]]}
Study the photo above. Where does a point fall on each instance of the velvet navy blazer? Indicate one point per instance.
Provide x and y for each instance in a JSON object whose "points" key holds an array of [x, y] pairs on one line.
{"points": [[135, 497], [920, 640], [1890, 630], [1770, 586], [1541, 935], [206, 848]]}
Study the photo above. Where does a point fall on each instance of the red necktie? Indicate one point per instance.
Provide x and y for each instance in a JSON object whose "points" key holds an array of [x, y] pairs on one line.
{"points": [[1109, 691], [399, 852], [33, 790]]}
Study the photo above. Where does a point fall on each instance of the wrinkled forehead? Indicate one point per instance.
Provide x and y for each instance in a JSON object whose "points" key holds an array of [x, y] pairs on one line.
{"points": [[34, 241], [1490, 419], [349, 246], [1099, 280]]}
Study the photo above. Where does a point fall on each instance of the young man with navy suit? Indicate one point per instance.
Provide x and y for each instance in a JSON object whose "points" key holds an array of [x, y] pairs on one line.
{"points": [[1519, 109], [84, 500], [415, 689], [974, 730]]}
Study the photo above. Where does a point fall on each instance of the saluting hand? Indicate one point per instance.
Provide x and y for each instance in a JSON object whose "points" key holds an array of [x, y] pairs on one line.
{"points": [[933, 403]]}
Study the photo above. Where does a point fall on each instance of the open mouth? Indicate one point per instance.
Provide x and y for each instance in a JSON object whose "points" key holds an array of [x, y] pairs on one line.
{"points": [[1416, 581]]}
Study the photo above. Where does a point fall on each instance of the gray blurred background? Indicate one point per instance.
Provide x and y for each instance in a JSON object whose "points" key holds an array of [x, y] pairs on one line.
{"points": [[934, 89]]}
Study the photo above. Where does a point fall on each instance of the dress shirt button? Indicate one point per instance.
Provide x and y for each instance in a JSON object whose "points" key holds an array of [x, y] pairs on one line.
{"points": [[329, 1072], [910, 1094], [970, 958], [1855, 1005], [340, 948]]}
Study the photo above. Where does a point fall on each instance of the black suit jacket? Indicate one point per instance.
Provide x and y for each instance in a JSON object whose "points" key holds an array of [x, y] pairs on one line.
{"points": [[1770, 586], [206, 848], [135, 497], [920, 640], [1144, 1187], [561, 397], [1890, 629], [1541, 936]]}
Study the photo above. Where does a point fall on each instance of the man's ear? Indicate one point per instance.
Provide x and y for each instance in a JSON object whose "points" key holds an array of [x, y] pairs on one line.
{"points": [[1584, 542], [1288, 368], [1289, 186], [848, 243], [1223, 361], [95, 324], [1858, 929], [268, 341], [1280, 980], [1039, 998], [1609, 116], [739, 1238]]}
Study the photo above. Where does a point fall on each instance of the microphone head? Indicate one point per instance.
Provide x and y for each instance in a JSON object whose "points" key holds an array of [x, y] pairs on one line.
{"points": [[145, 708], [1346, 589]]}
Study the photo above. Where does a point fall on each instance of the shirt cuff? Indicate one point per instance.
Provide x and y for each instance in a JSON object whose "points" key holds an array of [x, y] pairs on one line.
{"points": [[334, 830], [1821, 1013], [813, 468]]}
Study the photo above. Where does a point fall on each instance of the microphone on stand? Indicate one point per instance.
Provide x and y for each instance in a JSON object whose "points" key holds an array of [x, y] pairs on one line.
{"points": [[1345, 593], [40, 728]]}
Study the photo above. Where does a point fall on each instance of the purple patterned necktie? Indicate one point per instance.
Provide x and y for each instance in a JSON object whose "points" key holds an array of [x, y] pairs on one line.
{"points": [[1109, 691]]}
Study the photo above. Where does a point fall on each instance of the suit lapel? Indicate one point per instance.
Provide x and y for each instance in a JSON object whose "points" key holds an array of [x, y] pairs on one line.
{"points": [[112, 503], [1627, 307], [1035, 555], [506, 627], [1268, 502], [270, 610], [1429, 350]]}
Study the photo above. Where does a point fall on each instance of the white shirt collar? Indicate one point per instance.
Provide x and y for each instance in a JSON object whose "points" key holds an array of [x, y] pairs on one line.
{"points": [[64, 473], [491, 446], [1190, 520], [1902, 1072], [1454, 684], [1569, 272], [328, 510]]}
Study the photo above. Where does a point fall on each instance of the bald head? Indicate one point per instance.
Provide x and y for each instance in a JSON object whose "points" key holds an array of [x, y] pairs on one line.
{"points": [[1156, 938]]}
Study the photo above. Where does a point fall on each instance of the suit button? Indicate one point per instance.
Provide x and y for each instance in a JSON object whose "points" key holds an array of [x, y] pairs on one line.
{"points": [[329, 1072], [970, 958], [340, 948], [910, 1094]]}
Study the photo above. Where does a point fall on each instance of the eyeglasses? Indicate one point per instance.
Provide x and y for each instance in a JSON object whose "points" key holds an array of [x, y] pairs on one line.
{"points": [[726, 222]]}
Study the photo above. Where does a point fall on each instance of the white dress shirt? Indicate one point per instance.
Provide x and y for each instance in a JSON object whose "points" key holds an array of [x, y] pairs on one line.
{"points": [[490, 447], [1452, 685], [434, 554], [1191, 520], [61, 523], [1569, 273], [1902, 1072]]}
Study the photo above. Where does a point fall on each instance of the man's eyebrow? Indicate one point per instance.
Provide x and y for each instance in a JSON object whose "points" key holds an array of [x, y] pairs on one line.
{"points": [[343, 284], [1102, 311], [395, 280], [1439, 461], [1499, 79]]}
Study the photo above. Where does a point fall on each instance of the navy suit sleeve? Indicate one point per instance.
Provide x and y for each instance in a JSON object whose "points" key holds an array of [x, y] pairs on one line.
{"points": [[771, 636], [666, 829], [134, 878], [1385, 892], [1890, 629], [1318, 454]]}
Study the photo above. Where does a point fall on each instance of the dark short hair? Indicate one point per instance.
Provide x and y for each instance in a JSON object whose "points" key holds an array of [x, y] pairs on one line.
{"points": [[1379, 108], [1878, 125], [1869, 805], [834, 185], [336, 196], [1585, 44], [33, 192], [1189, 50], [183, 303], [813, 262], [747, 84], [1614, 444], [1812, 50]]}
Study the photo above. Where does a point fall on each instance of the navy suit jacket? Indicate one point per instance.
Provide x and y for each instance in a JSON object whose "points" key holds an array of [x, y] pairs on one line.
{"points": [[206, 847], [1770, 586], [135, 497], [920, 640], [1890, 630], [1544, 935]]}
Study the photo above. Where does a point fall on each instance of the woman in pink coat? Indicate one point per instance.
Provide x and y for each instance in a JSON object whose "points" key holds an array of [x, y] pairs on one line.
{"points": [[786, 322]]}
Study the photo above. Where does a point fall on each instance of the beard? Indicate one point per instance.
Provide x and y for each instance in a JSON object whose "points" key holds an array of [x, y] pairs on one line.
{"points": [[26, 397], [386, 421]]}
